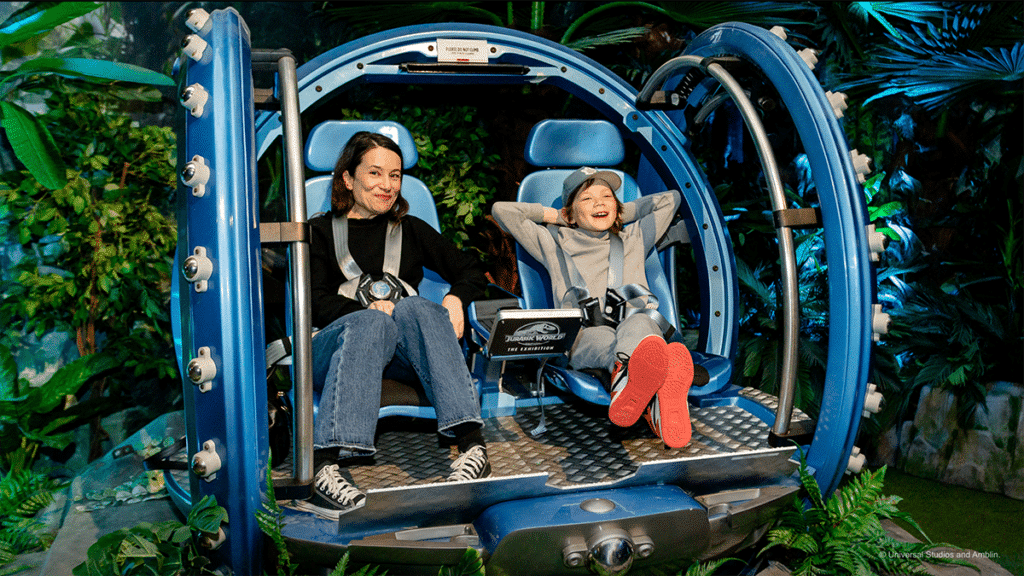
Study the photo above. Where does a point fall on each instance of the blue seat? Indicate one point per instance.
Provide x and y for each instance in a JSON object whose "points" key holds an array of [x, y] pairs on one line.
{"points": [[560, 147], [323, 145]]}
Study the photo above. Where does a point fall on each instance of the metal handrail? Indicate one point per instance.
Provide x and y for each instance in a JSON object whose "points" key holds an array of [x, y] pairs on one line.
{"points": [[298, 262]]}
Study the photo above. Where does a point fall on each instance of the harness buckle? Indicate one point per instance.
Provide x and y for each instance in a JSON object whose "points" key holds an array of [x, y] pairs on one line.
{"points": [[614, 306], [371, 289], [591, 309]]}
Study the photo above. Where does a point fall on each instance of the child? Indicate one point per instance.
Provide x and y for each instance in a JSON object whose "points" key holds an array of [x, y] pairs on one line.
{"points": [[596, 244]]}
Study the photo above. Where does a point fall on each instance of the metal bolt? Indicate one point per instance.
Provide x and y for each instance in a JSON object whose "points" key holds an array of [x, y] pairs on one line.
{"points": [[190, 268], [574, 559]]}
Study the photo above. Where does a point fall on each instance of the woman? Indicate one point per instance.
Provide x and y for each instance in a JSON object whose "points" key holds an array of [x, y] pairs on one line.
{"points": [[366, 257], [650, 377]]}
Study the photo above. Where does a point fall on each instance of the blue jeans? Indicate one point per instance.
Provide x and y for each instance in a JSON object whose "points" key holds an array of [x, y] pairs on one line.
{"points": [[355, 351]]}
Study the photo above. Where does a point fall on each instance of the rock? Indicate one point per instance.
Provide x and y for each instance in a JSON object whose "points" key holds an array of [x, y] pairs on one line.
{"points": [[1014, 486], [931, 436], [988, 457], [887, 450], [977, 462]]}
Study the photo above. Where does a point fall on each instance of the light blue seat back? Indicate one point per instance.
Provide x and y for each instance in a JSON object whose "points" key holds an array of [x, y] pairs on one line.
{"points": [[324, 145]]}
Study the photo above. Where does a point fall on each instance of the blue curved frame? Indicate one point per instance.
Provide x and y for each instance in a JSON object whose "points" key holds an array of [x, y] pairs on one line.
{"points": [[844, 216], [228, 317]]}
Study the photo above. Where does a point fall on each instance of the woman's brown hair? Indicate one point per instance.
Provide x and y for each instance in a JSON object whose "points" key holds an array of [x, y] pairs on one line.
{"points": [[358, 145]]}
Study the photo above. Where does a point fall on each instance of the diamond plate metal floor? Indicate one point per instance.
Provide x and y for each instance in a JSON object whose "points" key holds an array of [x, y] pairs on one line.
{"points": [[580, 446]]}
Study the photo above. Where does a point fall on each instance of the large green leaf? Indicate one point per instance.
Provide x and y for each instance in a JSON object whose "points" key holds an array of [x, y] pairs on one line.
{"points": [[8, 374], [96, 70], [69, 379], [43, 21], [33, 145]]}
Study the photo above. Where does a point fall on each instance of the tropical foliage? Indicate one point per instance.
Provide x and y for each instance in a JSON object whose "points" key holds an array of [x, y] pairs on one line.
{"points": [[27, 59], [23, 494], [940, 92], [844, 535], [163, 548], [35, 417], [94, 259]]}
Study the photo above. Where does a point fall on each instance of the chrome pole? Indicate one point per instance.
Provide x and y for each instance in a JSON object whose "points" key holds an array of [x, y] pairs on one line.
{"points": [[790, 287], [298, 260]]}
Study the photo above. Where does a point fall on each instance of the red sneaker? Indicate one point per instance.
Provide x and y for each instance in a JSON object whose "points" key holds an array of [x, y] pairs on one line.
{"points": [[636, 379], [669, 413]]}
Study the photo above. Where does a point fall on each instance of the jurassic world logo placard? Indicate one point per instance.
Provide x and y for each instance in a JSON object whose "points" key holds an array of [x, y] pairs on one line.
{"points": [[533, 333], [535, 337]]}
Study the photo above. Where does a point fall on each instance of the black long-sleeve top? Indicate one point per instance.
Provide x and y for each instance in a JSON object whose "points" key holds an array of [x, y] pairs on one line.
{"points": [[421, 246]]}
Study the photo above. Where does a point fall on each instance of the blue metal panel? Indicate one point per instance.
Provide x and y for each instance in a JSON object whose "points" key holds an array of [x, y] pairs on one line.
{"points": [[503, 519], [844, 215], [227, 318]]}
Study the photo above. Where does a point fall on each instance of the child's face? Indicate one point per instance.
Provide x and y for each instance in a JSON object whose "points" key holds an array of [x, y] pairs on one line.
{"points": [[594, 209]]}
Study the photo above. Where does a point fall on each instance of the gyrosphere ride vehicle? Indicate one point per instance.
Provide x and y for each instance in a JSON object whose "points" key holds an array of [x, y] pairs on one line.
{"points": [[567, 494]]}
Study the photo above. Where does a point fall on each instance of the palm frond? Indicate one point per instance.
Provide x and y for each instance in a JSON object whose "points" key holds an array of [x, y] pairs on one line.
{"points": [[917, 12], [7, 554], [623, 36], [944, 78], [707, 14], [397, 14], [706, 568], [938, 65]]}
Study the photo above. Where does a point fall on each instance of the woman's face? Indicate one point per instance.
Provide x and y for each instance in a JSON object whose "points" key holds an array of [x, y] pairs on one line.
{"points": [[376, 183], [594, 208]]}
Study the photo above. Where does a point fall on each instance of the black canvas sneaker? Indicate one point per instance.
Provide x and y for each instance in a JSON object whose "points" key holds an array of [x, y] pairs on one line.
{"points": [[470, 465], [333, 495]]}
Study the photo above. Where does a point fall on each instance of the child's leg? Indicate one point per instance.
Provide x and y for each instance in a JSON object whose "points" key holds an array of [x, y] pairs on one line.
{"points": [[594, 348], [632, 331], [669, 414], [640, 371]]}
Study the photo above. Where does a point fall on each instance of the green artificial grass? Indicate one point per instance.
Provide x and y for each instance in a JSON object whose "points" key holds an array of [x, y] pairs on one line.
{"points": [[969, 519]]}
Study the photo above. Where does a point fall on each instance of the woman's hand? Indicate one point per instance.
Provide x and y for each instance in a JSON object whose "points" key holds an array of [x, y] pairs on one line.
{"points": [[454, 306], [385, 306]]}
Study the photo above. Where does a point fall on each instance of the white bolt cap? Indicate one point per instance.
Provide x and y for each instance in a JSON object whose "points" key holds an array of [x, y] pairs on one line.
{"points": [[857, 462], [879, 322], [872, 401], [861, 164], [876, 242], [197, 19], [838, 102], [193, 46], [809, 56]]}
